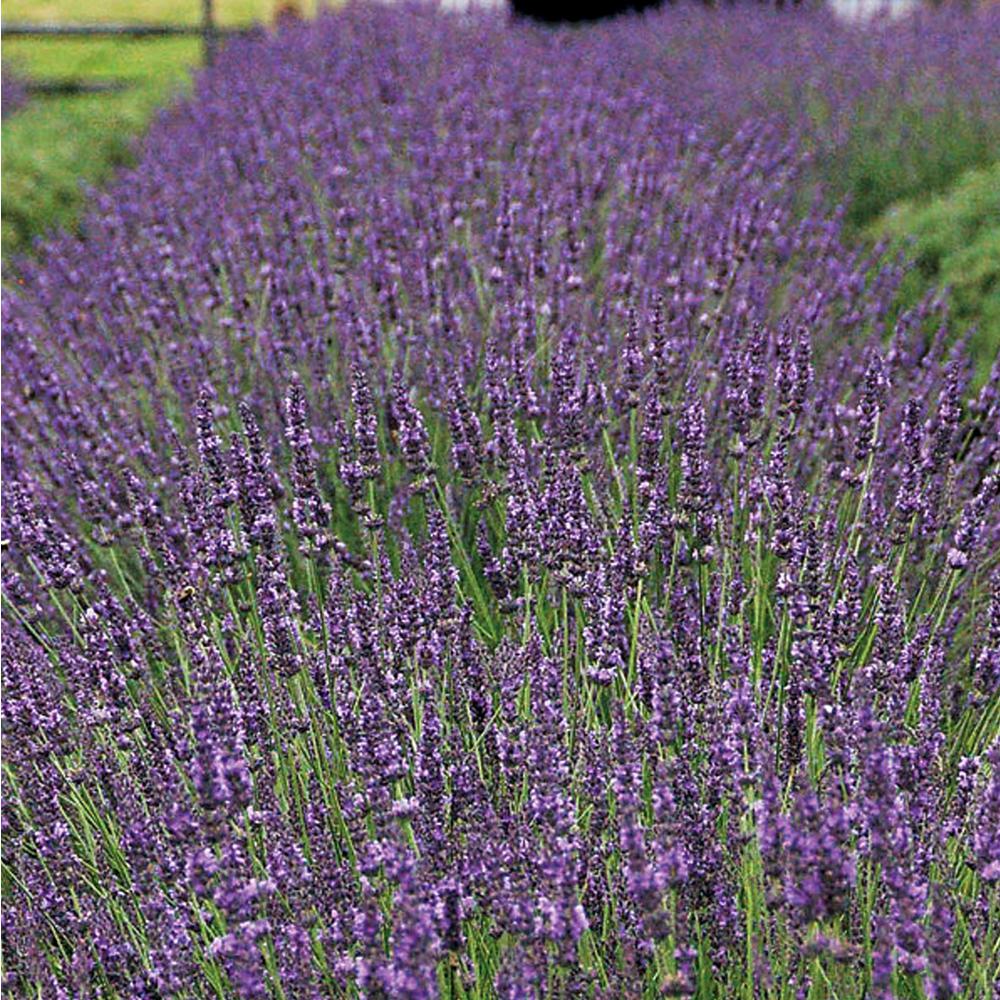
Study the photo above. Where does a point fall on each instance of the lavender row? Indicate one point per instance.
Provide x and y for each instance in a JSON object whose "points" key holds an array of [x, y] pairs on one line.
{"points": [[471, 531]]}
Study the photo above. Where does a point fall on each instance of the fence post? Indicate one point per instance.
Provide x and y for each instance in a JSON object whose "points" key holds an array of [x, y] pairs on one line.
{"points": [[208, 31]]}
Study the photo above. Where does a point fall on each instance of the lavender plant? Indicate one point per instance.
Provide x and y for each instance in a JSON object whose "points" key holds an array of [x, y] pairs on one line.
{"points": [[470, 533], [15, 93]]}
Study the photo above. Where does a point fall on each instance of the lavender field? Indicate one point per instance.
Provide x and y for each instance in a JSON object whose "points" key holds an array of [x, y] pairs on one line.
{"points": [[475, 526]]}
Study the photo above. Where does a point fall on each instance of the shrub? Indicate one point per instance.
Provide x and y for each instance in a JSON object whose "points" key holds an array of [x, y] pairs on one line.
{"points": [[954, 242]]}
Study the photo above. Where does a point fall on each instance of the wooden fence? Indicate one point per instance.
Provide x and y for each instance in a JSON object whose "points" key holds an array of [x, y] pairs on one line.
{"points": [[207, 30]]}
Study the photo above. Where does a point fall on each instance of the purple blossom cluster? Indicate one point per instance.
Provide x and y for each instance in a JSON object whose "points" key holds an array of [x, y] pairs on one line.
{"points": [[14, 91], [473, 529]]}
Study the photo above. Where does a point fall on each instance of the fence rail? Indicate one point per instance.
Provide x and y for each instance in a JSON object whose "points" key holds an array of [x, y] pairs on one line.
{"points": [[43, 30], [61, 88]]}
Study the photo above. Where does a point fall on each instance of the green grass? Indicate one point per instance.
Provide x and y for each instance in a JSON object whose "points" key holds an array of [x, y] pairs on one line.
{"points": [[166, 11], [58, 144], [954, 240]]}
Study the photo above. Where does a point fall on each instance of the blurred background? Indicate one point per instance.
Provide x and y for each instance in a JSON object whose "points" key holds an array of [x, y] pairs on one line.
{"points": [[73, 106]]}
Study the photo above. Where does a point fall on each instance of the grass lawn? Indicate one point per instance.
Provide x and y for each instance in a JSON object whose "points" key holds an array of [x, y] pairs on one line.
{"points": [[171, 11], [58, 144]]}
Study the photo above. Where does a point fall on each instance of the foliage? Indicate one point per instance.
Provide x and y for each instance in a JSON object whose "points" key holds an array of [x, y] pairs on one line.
{"points": [[909, 155], [954, 242]]}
